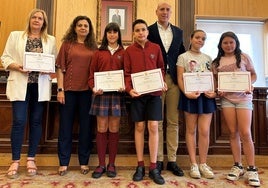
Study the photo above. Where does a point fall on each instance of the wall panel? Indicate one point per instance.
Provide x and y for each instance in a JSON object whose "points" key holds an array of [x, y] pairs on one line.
{"points": [[66, 10], [234, 8], [13, 17], [219, 134], [146, 10]]}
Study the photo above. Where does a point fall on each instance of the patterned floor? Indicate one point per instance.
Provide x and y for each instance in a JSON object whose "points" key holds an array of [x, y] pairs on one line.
{"points": [[48, 178]]}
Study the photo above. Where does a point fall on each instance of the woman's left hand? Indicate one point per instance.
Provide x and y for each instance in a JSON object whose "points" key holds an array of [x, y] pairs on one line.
{"points": [[61, 97]]}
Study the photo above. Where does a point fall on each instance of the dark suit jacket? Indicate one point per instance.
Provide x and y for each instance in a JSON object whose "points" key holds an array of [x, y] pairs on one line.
{"points": [[176, 48], [116, 19]]}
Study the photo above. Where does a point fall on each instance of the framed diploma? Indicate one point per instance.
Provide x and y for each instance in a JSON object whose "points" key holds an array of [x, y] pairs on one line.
{"points": [[109, 80], [39, 62], [198, 81], [147, 81], [234, 81]]}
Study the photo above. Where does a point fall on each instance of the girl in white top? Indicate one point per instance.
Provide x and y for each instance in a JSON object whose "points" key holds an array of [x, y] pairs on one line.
{"points": [[198, 107]]}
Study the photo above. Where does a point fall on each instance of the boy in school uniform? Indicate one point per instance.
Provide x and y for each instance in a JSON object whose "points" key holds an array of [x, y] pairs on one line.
{"points": [[144, 55]]}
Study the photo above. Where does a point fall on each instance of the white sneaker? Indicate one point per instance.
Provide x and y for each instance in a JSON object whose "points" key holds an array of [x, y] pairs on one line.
{"points": [[235, 173], [194, 171], [253, 178], [206, 171]]}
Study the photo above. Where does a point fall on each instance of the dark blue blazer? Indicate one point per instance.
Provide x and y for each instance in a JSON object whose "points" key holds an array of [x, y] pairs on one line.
{"points": [[176, 48]]}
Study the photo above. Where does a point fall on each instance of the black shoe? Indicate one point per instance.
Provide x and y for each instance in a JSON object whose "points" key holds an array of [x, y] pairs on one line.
{"points": [[173, 167], [139, 174], [160, 166], [98, 174], [156, 176], [111, 172]]}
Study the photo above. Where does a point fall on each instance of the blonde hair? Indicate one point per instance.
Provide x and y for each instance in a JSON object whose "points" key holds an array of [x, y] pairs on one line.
{"points": [[27, 30]]}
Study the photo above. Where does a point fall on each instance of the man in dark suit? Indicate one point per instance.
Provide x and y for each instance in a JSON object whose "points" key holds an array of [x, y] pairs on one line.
{"points": [[170, 39], [117, 18]]}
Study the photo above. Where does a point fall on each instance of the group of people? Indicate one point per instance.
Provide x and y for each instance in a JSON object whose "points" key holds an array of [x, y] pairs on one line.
{"points": [[159, 45]]}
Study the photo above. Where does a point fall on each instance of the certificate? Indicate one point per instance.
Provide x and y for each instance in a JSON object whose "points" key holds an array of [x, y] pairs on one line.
{"points": [[234, 81], [109, 80], [198, 81], [147, 81], [39, 62]]}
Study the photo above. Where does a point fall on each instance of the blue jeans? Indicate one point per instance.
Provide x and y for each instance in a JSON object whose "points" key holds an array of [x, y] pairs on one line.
{"points": [[20, 110], [75, 101]]}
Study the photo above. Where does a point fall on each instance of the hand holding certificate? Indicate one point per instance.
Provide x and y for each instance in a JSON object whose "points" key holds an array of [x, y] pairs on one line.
{"points": [[198, 81], [39, 62], [147, 81], [234, 81], [109, 80]]}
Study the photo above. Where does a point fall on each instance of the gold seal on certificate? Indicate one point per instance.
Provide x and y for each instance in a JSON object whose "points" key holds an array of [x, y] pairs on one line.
{"points": [[234, 81], [147, 81], [109, 80], [39, 62], [198, 81]]}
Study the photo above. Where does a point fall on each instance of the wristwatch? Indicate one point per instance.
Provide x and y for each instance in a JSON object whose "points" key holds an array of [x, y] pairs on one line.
{"points": [[60, 89]]}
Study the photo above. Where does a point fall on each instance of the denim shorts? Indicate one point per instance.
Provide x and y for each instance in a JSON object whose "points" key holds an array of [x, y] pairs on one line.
{"points": [[245, 104]]}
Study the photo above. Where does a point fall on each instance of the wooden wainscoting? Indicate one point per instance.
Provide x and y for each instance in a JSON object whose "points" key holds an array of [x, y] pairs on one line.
{"points": [[219, 140]]}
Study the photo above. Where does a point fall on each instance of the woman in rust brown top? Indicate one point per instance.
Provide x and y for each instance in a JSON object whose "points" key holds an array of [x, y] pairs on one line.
{"points": [[73, 64]]}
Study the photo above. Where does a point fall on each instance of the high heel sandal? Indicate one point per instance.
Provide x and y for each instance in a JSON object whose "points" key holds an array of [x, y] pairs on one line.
{"points": [[62, 170], [31, 169], [12, 173], [84, 169]]}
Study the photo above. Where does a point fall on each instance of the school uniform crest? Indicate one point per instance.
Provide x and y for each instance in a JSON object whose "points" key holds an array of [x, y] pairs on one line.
{"points": [[152, 56], [119, 57]]}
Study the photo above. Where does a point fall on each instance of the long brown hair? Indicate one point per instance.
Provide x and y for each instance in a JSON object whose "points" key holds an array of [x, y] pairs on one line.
{"points": [[237, 51], [71, 35]]}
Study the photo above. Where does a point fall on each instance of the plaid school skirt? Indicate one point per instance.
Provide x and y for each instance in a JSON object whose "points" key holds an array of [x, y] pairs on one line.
{"points": [[108, 104]]}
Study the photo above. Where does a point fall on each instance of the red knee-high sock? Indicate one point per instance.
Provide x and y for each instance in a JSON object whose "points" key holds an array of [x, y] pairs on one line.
{"points": [[152, 166], [101, 140], [113, 145]]}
